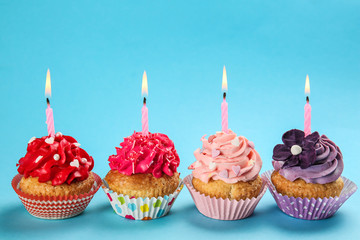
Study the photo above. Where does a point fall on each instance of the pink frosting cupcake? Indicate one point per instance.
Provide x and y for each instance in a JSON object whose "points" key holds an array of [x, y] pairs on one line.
{"points": [[225, 182]]}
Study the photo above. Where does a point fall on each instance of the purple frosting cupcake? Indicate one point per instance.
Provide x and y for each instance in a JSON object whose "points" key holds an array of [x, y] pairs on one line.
{"points": [[306, 181], [314, 158]]}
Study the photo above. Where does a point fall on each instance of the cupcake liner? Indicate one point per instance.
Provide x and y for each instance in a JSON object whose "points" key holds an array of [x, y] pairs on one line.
{"points": [[55, 207], [310, 209], [141, 208], [223, 209]]}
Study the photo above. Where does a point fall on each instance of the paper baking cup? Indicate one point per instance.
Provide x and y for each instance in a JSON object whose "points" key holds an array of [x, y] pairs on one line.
{"points": [[310, 209], [55, 207], [223, 209], [141, 208]]}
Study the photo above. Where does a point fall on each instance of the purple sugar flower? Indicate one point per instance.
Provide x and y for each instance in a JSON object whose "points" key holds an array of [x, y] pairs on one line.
{"points": [[297, 149]]}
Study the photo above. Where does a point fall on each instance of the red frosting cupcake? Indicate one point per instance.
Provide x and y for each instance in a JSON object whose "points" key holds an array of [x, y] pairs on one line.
{"points": [[55, 168], [144, 167]]}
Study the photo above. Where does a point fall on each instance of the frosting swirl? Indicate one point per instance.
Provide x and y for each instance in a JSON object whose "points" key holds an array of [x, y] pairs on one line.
{"points": [[320, 160], [226, 157], [153, 154], [59, 160]]}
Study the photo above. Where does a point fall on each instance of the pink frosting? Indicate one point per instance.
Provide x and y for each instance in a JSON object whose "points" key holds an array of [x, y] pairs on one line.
{"points": [[154, 153], [226, 157]]}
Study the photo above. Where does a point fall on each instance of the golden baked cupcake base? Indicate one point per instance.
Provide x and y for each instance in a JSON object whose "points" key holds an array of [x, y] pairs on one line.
{"points": [[299, 188], [232, 191], [142, 185], [32, 186]]}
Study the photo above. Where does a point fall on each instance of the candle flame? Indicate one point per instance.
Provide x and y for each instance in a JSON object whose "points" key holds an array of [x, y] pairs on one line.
{"points": [[224, 80], [307, 85], [144, 87], [48, 84]]}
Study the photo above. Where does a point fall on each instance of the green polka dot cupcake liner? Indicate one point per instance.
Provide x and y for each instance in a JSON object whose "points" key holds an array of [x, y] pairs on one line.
{"points": [[141, 208]]}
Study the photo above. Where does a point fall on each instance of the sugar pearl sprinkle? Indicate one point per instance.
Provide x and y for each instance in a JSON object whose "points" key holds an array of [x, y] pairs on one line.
{"points": [[56, 157], [296, 150], [83, 160], [59, 134]]}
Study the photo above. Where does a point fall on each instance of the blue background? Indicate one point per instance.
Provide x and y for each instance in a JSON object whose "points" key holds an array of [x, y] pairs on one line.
{"points": [[97, 52]]}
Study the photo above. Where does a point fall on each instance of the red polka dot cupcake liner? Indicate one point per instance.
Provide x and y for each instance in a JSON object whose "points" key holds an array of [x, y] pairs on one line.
{"points": [[141, 208], [223, 209], [310, 209], [55, 207]]}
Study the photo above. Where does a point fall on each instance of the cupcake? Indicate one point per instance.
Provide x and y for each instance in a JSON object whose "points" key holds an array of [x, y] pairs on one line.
{"points": [[143, 182], [225, 182], [306, 181], [55, 169]]}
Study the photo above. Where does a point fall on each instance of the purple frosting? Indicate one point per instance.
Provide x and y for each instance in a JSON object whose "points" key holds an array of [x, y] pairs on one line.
{"points": [[314, 158]]}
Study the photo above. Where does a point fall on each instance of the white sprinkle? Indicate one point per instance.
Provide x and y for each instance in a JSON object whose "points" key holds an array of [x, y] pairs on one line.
{"points": [[38, 159], [31, 140], [56, 157], [235, 142], [49, 140], [309, 213], [296, 150], [59, 134], [83, 160], [77, 144], [75, 163], [212, 165]]}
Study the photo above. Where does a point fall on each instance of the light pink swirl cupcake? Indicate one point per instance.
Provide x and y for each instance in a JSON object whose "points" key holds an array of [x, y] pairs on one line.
{"points": [[225, 182], [227, 166], [226, 157]]}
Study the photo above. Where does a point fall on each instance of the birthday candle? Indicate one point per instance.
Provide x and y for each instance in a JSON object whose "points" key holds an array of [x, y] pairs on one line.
{"points": [[144, 110], [224, 104], [307, 108], [49, 111]]}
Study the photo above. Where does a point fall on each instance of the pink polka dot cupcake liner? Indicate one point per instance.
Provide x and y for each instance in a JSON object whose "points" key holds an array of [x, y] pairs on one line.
{"points": [[141, 208], [223, 209], [55, 207], [310, 209]]}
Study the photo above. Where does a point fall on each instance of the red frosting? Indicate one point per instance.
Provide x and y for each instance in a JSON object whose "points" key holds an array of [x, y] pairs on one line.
{"points": [[62, 161], [153, 154]]}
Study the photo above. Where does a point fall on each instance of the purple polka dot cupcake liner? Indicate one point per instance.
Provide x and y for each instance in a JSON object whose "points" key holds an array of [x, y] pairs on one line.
{"points": [[310, 209], [223, 209], [141, 208]]}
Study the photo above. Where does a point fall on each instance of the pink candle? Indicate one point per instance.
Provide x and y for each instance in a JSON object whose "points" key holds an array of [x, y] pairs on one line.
{"points": [[307, 109], [49, 111], [144, 110], [50, 120], [307, 117], [145, 119], [224, 115], [224, 105]]}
